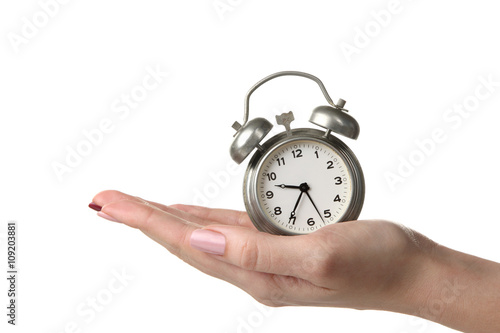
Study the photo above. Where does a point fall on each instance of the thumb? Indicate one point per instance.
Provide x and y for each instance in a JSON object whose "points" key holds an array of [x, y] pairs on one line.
{"points": [[253, 250]]}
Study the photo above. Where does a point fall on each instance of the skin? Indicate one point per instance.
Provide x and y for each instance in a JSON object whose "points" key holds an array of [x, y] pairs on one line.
{"points": [[371, 264]]}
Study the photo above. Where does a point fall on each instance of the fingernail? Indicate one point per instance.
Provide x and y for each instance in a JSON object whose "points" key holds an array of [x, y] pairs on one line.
{"points": [[208, 241], [107, 217], [95, 206]]}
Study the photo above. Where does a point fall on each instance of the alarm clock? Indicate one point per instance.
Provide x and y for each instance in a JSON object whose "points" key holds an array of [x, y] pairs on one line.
{"points": [[301, 179]]}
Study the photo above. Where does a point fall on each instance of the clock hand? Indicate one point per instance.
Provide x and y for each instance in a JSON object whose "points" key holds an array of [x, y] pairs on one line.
{"points": [[292, 214], [321, 217], [287, 186]]}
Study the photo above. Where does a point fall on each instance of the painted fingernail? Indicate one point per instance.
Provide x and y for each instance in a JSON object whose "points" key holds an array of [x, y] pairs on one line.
{"points": [[208, 241], [107, 217], [95, 206]]}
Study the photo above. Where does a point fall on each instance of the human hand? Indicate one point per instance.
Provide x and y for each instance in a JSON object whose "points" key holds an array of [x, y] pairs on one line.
{"points": [[363, 264], [371, 264]]}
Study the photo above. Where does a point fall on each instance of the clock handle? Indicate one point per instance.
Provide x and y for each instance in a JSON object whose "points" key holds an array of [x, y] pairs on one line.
{"points": [[340, 104]]}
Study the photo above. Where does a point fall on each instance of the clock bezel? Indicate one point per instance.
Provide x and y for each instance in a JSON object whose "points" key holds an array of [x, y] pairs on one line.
{"points": [[250, 192]]}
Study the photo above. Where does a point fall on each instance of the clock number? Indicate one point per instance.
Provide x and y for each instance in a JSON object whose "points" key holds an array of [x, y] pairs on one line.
{"points": [[297, 153], [271, 176], [277, 210], [330, 165], [337, 198], [317, 155], [327, 213], [339, 180], [292, 220], [310, 222], [281, 161], [269, 194]]}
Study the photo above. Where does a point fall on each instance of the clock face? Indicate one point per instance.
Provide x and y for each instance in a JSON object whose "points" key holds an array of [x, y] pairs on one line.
{"points": [[303, 185]]}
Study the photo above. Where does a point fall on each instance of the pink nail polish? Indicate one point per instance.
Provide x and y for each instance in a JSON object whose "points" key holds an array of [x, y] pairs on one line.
{"points": [[95, 206], [107, 217], [208, 241]]}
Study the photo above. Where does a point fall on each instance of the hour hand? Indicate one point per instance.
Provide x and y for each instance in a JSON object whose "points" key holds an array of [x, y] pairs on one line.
{"points": [[287, 186]]}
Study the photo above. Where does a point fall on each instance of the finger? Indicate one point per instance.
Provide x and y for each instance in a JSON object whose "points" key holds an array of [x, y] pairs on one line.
{"points": [[290, 264], [171, 229], [106, 197], [174, 233], [167, 229], [218, 216], [258, 251]]}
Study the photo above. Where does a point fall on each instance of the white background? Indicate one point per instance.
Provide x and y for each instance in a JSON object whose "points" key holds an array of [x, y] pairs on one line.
{"points": [[65, 77]]}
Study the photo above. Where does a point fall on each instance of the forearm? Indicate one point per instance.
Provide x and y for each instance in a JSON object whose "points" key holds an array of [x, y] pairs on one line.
{"points": [[459, 291]]}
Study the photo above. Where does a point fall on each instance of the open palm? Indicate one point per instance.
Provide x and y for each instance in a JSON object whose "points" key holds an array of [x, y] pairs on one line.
{"points": [[359, 264]]}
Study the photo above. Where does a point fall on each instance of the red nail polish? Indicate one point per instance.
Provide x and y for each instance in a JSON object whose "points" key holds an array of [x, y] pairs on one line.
{"points": [[95, 207]]}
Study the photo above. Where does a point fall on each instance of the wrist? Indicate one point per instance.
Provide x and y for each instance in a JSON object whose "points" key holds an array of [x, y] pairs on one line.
{"points": [[441, 285], [456, 290]]}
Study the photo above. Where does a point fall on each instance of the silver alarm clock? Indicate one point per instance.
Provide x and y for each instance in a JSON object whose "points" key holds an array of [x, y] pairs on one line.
{"points": [[302, 179]]}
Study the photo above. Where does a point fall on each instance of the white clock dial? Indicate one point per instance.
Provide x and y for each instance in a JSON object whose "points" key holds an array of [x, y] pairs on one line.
{"points": [[303, 185]]}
